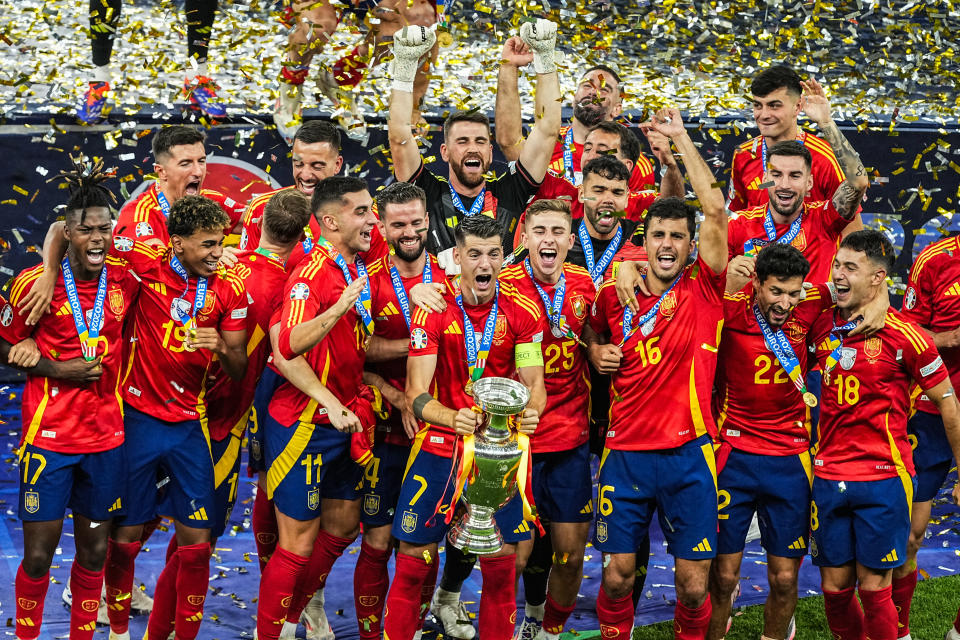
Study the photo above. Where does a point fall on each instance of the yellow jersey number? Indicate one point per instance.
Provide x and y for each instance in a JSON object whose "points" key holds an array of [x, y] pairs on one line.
{"points": [[559, 357], [848, 389], [765, 363], [174, 335], [649, 351]]}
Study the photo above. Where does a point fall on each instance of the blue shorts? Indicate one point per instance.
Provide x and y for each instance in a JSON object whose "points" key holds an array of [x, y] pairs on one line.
{"points": [[777, 489], [563, 485], [680, 483], [932, 455], [181, 452], [426, 484], [381, 483], [307, 463], [226, 476], [814, 384], [91, 484], [863, 520], [269, 382]]}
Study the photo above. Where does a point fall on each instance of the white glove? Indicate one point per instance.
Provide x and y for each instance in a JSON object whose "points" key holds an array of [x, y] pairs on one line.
{"points": [[409, 45], [541, 37]]}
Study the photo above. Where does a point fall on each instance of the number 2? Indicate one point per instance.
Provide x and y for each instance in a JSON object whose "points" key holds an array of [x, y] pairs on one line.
{"points": [[764, 362], [553, 353]]}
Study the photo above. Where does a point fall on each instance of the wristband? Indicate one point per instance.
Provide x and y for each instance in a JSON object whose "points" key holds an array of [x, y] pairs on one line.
{"points": [[419, 403]]}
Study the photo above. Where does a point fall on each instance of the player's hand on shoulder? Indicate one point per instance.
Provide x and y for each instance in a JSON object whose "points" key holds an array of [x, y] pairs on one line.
{"points": [[629, 280], [25, 354], [344, 420], [37, 301], [605, 358], [229, 257], [428, 295], [78, 370], [466, 421], [529, 421]]}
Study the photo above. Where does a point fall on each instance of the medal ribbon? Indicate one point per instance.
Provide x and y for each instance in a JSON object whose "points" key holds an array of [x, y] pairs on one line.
{"points": [[308, 241], [268, 254], [777, 343], [554, 308], [835, 342], [477, 206], [628, 329], [201, 294], [163, 203], [752, 247], [362, 304], [568, 171], [763, 149], [89, 336], [598, 267], [477, 358], [401, 293]]}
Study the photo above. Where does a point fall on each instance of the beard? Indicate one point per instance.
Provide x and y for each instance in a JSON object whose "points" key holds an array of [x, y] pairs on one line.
{"points": [[469, 181], [410, 255], [789, 211], [589, 113]]}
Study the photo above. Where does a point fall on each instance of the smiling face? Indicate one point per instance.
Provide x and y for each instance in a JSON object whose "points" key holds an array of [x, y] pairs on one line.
{"points": [[855, 276], [597, 98], [180, 172], [404, 227], [468, 151], [480, 260], [548, 239], [792, 180], [353, 219], [777, 297], [668, 245], [199, 252], [603, 198], [89, 236], [776, 113], [312, 162]]}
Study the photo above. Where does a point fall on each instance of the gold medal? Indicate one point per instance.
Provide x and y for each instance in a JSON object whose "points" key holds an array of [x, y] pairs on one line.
{"points": [[445, 39], [192, 335], [809, 399], [468, 388]]}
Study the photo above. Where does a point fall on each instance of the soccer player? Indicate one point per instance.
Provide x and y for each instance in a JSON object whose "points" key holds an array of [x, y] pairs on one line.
{"points": [[188, 311], [562, 481], [930, 302], [488, 329], [661, 352], [311, 469], [312, 24], [597, 99], [403, 211], [228, 401], [863, 468], [777, 101], [71, 449], [467, 146], [201, 90]]}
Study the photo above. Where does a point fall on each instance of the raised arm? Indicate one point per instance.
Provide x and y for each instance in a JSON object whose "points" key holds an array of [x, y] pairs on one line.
{"points": [[541, 37], [671, 179], [713, 231], [409, 45], [849, 194], [508, 123]]}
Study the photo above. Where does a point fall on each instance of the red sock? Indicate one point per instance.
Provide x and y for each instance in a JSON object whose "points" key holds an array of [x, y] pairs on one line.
{"points": [[498, 600], [903, 589], [956, 622], [326, 549], [85, 586], [294, 74], [276, 591], [264, 523], [403, 600], [615, 616], [429, 586], [348, 70], [691, 624], [370, 583], [879, 614], [844, 615], [31, 592], [118, 575], [555, 615], [164, 613], [193, 577], [149, 528]]}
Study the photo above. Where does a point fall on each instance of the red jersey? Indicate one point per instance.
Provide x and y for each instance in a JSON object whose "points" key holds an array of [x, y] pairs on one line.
{"points": [[758, 407], [746, 172], [818, 239], [641, 178], [229, 400], [61, 415], [518, 322], [162, 378], [660, 395], [392, 323], [338, 359], [252, 215], [932, 301], [143, 219], [865, 399], [557, 187], [564, 424]]}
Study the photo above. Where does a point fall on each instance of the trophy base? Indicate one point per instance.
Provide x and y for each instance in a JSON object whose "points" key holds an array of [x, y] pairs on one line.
{"points": [[479, 540]]}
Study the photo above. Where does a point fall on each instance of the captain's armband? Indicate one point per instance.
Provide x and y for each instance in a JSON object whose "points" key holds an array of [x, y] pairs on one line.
{"points": [[528, 354]]}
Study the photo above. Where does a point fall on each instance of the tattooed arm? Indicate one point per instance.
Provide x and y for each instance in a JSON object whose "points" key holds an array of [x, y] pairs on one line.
{"points": [[849, 194]]}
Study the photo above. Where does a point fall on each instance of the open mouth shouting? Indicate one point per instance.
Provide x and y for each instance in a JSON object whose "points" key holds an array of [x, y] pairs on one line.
{"points": [[777, 316], [483, 282], [843, 292], [192, 187], [666, 262], [785, 199], [548, 258], [95, 256], [473, 162]]}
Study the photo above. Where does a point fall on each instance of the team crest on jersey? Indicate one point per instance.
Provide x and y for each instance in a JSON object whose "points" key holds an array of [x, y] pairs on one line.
{"points": [[115, 300], [910, 298], [6, 316], [371, 504], [208, 303], [500, 330], [579, 306], [794, 331], [848, 356], [123, 243], [31, 501], [179, 308], [300, 291], [601, 531], [669, 305], [418, 338], [800, 242], [313, 499], [872, 348], [143, 229], [408, 522]]}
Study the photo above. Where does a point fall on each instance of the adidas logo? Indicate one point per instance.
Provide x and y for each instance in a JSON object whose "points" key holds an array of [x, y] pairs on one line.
{"points": [[159, 287], [704, 546], [891, 557], [799, 543], [954, 290], [199, 514], [523, 528], [116, 505], [90, 626], [454, 329], [389, 310], [587, 509]]}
